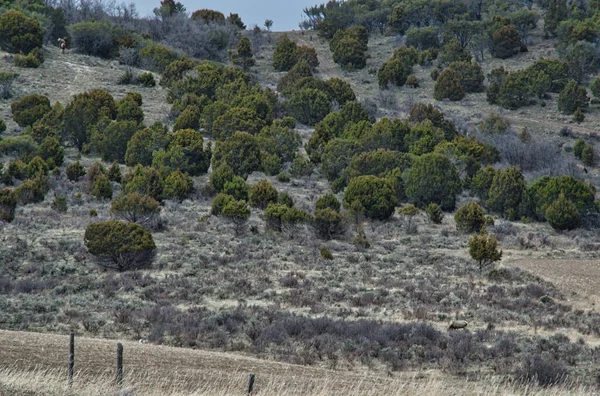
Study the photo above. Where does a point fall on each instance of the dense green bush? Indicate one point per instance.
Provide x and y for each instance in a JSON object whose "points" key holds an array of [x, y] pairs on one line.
{"points": [[349, 53], [144, 181], [588, 156], [119, 245], [144, 142], [299, 76], [188, 119], [376, 195], [75, 171], [238, 213], [394, 72], [280, 140], [60, 204], [114, 173], [219, 202], [6, 81], [237, 188], [309, 55], [507, 193], [470, 217], [185, 152], [562, 214], [135, 208], [470, 76], [18, 145], [51, 151], [595, 87], [483, 248], [19, 33], [178, 185], [432, 179], [341, 91], [2, 126], [309, 106], [506, 42], [129, 110], [14, 170], [102, 188], [35, 167], [83, 113], [328, 223], [237, 119], [240, 152], [448, 86], [285, 55], [8, 205], [94, 38], [32, 190], [453, 51], [244, 56], [146, 79], [578, 147], [434, 213], [157, 57], [573, 97], [262, 193], [547, 190], [32, 60], [328, 201], [111, 142], [29, 109], [423, 38]]}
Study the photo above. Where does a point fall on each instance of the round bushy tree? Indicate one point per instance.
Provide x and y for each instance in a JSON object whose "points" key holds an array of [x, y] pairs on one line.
{"points": [[394, 72], [240, 152], [328, 201], [376, 195], [285, 55], [19, 33], [309, 105], [119, 245], [29, 109], [111, 142], [448, 86], [328, 223], [562, 214], [8, 204], [470, 217], [178, 185], [262, 193], [573, 97], [507, 193], [506, 42], [470, 76], [434, 213], [145, 142], [83, 113], [102, 189], [432, 178], [135, 208]]}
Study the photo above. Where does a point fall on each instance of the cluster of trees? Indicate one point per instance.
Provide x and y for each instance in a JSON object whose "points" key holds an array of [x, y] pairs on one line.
{"points": [[22, 36], [287, 54]]}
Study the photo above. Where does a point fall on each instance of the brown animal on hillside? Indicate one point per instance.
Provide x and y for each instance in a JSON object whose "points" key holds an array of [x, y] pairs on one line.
{"points": [[458, 324]]}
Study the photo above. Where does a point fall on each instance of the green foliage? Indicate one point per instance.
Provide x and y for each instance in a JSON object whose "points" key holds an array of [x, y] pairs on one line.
{"points": [[238, 213], [135, 208], [262, 193], [51, 151], [423, 38], [448, 86], [283, 177], [270, 163], [185, 152], [237, 119], [119, 245], [337, 156], [470, 75], [219, 202], [144, 181], [237, 188], [349, 48], [18, 145], [328, 201], [482, 182], [421, 112], [412, 81], [573, 97], [285, 55], [240, 152], [102, 188], [60, 204], [33, 60], [375, 194], [157, 57], [453, 51], [494, 123], [278, 215], [84, 112], [15, 170], [244, 56], [557, 11], [506, 42], [279, 140], [29, 109], [595, 87], [220, 176], [292, 79], [507, 193], [432, 179], [178, 185], [578, 116], [75, 171], [377, 163], [309, 106], [286, 199], [32, 190], [95, 38], [19, 33], [6, 81], [176, 70], [325, 253], [394, 72], [470, 217], [2, 126], [563, 214], [208, 15], [129, 110], [328, 223], [580, 144], [37, 166], [147, 79], [8, 205], [588, 156], [144, 142], [547, 190], [434, 213], [111, 142], [483, 248], [301, 167], [309, 55], [114, 173], [50, 125]]}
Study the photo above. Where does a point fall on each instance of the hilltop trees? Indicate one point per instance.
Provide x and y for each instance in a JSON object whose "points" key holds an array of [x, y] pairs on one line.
{"points": [[19, 33], [244, 56]]}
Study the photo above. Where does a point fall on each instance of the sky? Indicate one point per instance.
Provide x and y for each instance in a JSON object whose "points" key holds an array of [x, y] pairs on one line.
{"points": [[286, 14]]}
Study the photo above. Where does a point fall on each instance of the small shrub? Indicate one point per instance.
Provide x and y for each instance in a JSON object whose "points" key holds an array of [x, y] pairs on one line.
{"points": [[301, 167], [219, 203], [75, 171], [470, 217], [328, 223], [573, 97], [283, 177], [562, 214], [325, 253], [588, 156], [6, 81], [412, 81], [8, 205], [135, 208], [434, 213], [146, 79], [59, 204], [33, 60], [578, 116], [114, 173], [102, 189], [119, 245], [376, 195], [238, 213], [262, 193], [483, 248], [578, 147], [328, 201], [543, 371], [178, 185], [32, 190]]}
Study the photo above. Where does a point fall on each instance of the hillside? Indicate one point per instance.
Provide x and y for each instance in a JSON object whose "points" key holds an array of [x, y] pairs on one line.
{"points": [[319, 227]]}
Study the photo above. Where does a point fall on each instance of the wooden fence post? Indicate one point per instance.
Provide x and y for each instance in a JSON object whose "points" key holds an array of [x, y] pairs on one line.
{"points": [[71, 364], [251, 379], [119, 377]]}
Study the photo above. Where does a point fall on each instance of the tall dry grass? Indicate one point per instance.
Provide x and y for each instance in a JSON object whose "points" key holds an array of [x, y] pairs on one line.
{"points": [[53, 382]]}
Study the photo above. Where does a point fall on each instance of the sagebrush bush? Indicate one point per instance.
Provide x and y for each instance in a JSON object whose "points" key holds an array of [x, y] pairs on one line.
{"points": [[119, 245], [33, 60], [470, 217]]}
